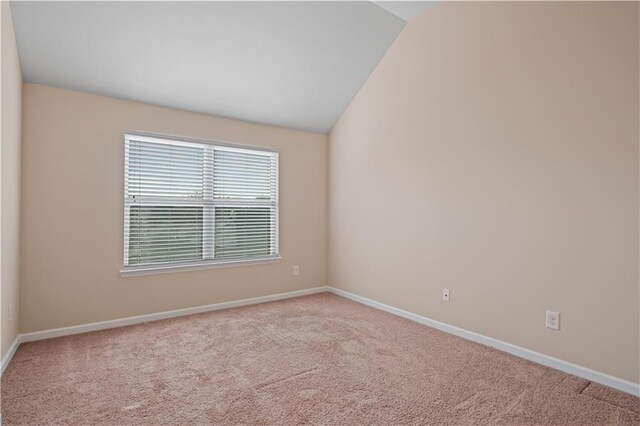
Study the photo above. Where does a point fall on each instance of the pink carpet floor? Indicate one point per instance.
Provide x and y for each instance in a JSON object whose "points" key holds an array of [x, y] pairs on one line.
{"points": [[318, 359]]}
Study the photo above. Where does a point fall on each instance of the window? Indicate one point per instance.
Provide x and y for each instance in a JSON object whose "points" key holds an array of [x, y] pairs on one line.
{"points": [[192, 203]]}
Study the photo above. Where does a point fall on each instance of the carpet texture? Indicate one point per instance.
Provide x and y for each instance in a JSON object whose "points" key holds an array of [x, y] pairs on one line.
{"points": [[318, 359]]}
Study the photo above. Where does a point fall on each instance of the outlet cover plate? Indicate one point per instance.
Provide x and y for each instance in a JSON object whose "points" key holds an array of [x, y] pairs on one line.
{"points": [[553, 320]]}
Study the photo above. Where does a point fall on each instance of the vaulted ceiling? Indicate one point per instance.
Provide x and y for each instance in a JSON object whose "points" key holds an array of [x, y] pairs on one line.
{"points": [[290, 64]]}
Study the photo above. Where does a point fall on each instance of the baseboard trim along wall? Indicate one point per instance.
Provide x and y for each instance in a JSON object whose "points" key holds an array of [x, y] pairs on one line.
{"points": [[537, 357], [558, 364], [104, 325], [7, 357]]}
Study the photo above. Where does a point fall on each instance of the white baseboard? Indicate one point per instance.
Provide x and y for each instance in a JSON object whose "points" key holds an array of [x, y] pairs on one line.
{"points": [[103, 325], [567, 367], [6, 359], [558, 364]]}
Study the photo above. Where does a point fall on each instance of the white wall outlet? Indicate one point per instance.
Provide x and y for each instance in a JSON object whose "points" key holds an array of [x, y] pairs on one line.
{"points": [[445, 294], [553, 320], [296, 270], [10, 312]]}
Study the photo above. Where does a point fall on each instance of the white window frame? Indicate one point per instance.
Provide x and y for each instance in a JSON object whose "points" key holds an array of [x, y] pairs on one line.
{"points": [[208, 207]]}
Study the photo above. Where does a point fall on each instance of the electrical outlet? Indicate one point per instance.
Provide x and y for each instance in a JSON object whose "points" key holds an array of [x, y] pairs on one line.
{"points": [[445, 294], [553, 320], [296, 270], [10, 312]]}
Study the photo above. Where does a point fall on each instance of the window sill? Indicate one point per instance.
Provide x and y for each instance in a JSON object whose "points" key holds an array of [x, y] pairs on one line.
{"points": [[167, 269]]}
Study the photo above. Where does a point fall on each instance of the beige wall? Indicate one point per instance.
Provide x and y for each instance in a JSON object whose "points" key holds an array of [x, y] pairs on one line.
{"points": [[72, 230], [494, 152], [10, 123]]}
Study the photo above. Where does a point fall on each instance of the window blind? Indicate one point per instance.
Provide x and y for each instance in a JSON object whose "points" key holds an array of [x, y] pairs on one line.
{"points": [[191, 202]]}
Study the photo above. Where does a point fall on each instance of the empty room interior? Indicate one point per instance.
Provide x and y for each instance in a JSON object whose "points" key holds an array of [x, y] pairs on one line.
{"points": [[326, 213]]}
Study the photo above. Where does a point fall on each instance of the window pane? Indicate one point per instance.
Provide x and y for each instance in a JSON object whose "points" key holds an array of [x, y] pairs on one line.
{"points": [[242, 175], [162, 234], [244, 232], [160, 170]]}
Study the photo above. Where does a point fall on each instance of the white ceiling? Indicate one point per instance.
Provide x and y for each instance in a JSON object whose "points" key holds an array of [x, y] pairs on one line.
{"points": [[406, 10], [290, 64]]}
